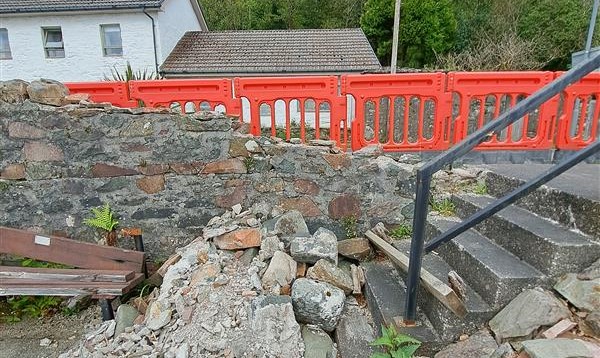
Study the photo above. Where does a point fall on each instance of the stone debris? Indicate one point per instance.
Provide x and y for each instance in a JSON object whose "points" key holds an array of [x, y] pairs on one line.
{"points": [[583, 294], [530, 310], [356, 249], [46, 91], [481, 344], [221, 299], [321, 245], [45, 342], [557, 348]]}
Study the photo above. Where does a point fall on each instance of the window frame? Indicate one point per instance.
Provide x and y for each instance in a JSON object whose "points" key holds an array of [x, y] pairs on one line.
{"points": [[103, 28], [5, 54], [59, 45]]}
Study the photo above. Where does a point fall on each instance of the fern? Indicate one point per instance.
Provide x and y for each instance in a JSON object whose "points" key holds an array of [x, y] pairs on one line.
{"points": [[103, 218]]}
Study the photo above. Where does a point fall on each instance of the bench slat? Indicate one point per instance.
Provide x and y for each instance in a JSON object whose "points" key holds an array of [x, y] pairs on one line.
{"points": [[68, 252], [29, 287], [80, 275]]}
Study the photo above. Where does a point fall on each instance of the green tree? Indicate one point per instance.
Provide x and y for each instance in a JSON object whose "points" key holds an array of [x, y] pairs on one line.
{"points": [[427, 28]]}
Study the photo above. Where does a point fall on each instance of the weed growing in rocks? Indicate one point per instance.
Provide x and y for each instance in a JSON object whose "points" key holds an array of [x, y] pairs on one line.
{"points": [[250, 164], [445, 207], [401, 232], [105, 220], [481, 189], [350, 227], [396, 345]]}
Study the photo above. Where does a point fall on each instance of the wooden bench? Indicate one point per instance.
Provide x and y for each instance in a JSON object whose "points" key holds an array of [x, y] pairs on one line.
{"points": [[102, 272]]}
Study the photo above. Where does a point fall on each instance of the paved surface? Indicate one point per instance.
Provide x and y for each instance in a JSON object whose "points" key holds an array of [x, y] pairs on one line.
{"points": [[582, 180]]}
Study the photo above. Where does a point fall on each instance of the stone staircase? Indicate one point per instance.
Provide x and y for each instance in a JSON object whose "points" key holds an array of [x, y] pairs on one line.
{"points": [[553, 231]]}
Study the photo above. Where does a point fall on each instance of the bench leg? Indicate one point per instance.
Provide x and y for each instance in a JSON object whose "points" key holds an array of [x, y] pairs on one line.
{"points": [[107, 311], [139, 246]]}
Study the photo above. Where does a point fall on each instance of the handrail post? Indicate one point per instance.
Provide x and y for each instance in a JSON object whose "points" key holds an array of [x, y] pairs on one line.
{"points": [[417, 243]]}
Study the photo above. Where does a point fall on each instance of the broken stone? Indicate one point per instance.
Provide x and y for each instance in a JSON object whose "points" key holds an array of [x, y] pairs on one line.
{"points": [[248, 255], [158, 315], [46, 91], [591, 273], [289, 224], [253, 147], [317, 343], [124, 318], [530, 310], [205, 274], [556, 348], [281, 271], [269, 246], [240, 239], [45, 342], [325, 271], [505, 350], [353, 336], [317, 303], [592, 324], [357, 249], [481, 344], [559, 328], [322, 245], [274, 324], [13, 91], [581, 294]]}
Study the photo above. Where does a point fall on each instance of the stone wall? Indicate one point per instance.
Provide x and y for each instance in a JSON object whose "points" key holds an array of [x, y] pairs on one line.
{"points": [[169, 174]]}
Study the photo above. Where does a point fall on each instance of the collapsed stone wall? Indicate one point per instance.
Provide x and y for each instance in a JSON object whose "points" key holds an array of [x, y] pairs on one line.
{"points": [[169, 174]]}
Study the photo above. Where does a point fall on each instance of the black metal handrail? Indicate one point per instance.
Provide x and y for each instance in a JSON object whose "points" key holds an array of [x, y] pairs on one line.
{"points": [[425, 173]]}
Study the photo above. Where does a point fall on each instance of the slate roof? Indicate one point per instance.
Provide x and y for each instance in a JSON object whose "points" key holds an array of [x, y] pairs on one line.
{"points": [[26, 6], [271, 51]]}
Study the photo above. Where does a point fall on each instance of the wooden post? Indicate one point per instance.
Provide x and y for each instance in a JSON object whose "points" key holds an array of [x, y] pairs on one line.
{"points": [[396, 34]]}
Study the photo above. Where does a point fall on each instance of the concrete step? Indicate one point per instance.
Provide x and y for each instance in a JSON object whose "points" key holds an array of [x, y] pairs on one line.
{"points": [[546, 245], [496, 274], [572, 199], [448, 325], [386, 295]]}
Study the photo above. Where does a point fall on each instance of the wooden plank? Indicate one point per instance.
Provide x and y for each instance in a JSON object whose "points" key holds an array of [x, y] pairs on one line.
{"points": [[437, 288], [559, 328], [80, 275], [68, 252], [13, 287]]}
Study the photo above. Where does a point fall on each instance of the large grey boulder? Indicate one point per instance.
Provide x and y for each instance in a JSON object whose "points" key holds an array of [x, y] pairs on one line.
{"points": [[322, 245], [281, 272], [530, 310], [13, 91], [325, 271], [557, 348], [583, 294], [273, 323], [481, 344], [46, 91], [317, 343], [317, 303]]}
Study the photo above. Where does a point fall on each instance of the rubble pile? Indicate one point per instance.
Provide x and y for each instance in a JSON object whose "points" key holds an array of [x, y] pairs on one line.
{"points": [[255, 284]]}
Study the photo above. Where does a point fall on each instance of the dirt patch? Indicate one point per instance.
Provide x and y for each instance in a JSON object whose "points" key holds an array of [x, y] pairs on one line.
{"points": [[22, 339]]}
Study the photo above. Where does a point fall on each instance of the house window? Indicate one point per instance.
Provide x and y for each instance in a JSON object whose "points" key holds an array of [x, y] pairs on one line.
{"points": [[111, 40], [4, 45], [53, 42]]}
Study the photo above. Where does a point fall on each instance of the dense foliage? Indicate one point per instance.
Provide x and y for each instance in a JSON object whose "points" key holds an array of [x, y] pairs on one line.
{"points": [[449, 34]]}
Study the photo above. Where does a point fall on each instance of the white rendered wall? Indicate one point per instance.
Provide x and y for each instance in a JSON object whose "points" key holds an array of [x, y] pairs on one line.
{"points": [[83, 59], [175, 19]]}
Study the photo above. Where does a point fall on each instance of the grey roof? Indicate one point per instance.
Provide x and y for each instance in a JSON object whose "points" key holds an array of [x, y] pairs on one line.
{"points": [[271, 51], [26, 6]]}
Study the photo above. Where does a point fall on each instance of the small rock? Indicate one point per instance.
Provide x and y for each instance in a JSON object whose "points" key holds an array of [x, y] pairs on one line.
{"points": [[583, 294], [295, 141], [47, 91], [205, 274], [530, 310], [45, 342], [124, 318], [240, 239], [289, 224], [322, 142], [592, 324], [157, 316], [253, 147], [357, 249], [481, 344], [556, 348], [505, 350], [322, 245], [281, 271], [591, 273], [182, 351], [317, 303], [317, 343], [237, 208], [269, 246], [325, 271], [248, 255], [13, 91]]}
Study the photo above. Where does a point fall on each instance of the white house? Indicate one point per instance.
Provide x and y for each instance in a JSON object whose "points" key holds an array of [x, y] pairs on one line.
{"points": [[81, 40]]}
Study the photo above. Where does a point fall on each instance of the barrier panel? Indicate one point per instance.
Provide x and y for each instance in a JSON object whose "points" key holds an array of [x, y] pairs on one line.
{"points": [[405, 112], [485, 95], [300, 107], [113, 92], [189, 95], [580, 113]]}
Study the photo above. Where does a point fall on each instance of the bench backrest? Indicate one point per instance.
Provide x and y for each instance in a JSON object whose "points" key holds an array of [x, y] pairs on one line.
{"points": [[68, 252]]}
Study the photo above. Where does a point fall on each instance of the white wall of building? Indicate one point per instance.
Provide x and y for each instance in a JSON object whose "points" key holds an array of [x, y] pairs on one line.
{"points": [[84, 60], [175, 18]]}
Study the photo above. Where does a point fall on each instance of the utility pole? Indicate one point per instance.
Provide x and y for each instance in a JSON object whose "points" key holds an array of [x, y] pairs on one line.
{"points": [[588, 44], [396, 34]]}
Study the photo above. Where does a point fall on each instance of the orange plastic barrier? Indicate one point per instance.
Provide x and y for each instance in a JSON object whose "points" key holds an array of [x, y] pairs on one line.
{"points": [[578, 121], [113, 92], [404, 112], [189, 95], [485, 95], [322, 91]]}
